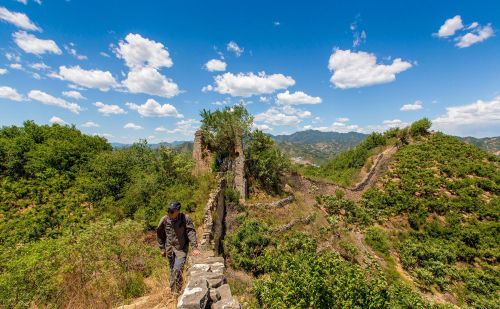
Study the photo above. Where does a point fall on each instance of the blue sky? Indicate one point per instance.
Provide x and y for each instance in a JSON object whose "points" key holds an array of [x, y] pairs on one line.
{"points": [[128, 70]]}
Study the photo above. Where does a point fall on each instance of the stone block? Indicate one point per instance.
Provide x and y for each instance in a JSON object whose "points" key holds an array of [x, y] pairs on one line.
{"points": [[193, 298]]}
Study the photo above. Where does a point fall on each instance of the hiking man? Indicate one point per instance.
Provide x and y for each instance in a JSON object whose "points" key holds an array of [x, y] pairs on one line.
{"points": [[174, 233]]}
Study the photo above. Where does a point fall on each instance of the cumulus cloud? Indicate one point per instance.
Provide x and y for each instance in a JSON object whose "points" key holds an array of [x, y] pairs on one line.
{"points": [[477, 35], [139, 52], [249, 84], [154, 109], [285, 115], [48, 99], [234, 48], [13, 57], [133, 126], [57, 120], [412, 106], [90, 124], [33, 45], [16, 66], [360, 69], [150, 81], [19, 20], [102, 80], [480, 118], [262, 127], [10, 94], [342, 119], [450, 26], [161, 129], [185, 127], [3, 71], [39, 66], [296, 98], [109, 109], [74, 95], [215, 65]]}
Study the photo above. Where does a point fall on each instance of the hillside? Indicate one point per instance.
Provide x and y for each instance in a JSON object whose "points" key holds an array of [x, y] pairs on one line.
{"points": [[75, 212], [490, 144], [316, 146], [427, 230]]}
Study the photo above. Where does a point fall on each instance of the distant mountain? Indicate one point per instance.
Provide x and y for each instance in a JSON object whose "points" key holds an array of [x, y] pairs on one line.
{"points": [[316, 147], [180, 145], [490, 144]]}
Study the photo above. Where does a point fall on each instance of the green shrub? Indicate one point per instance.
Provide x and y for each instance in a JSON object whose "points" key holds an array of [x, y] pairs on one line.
{"points": [[377, 239]]}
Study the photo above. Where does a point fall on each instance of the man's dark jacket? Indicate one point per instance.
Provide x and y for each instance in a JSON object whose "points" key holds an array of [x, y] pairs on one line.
{"points": [[174, 236]]}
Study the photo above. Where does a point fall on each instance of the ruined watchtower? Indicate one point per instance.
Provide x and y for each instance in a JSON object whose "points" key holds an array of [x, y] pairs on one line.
{"points": [[235, 162]]}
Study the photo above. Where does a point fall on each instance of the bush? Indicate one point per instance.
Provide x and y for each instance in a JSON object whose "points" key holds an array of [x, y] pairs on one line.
{"points": [[420, 127]]}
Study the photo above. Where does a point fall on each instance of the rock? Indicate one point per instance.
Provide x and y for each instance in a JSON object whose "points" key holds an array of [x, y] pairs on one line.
{"points": [[216, 282], [214, 295], [226, 303], [193, 298]]}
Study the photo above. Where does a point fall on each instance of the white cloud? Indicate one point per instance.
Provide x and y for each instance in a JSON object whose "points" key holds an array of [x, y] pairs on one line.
{"points": [[139, 52], [74, 95], [26, 1], [36, 76], [72, 51], [360, 69], [450, 26], [477, 35], [394, 122], [133, 126], [481, 118], [33, 45], [275, 116], [48, 99], [16, 66], [150, 81], [13, 57], [161, 129], [233, 47], [154, 109], [109, 109], [104, 54], [287, 109], [215, 65], [18, 19], [39, 66], [412, 106], [102, 80], [342, 119], [296, 98], [57, 120], [249, 84], [186, 127], [10, 94], [262, 127], [3, 71], [90, 124]]}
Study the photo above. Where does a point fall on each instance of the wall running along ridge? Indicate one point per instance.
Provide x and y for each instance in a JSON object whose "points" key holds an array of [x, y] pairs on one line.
{"points": [[206, 283]]}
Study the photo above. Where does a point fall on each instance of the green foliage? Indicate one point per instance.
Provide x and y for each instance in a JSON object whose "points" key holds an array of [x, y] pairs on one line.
{"points": [[377, 239], [100, 266], [222, 128], [246, 244], [420, 127], [65, 201], [265, 162], [448, 190]]}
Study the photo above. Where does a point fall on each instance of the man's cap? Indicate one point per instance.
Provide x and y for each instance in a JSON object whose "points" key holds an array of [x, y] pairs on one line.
{"points": [[174, 206]]}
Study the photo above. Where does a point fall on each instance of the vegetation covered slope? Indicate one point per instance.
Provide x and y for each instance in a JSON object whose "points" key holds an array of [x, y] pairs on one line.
{"points": [[448, 193], [73, 212]]}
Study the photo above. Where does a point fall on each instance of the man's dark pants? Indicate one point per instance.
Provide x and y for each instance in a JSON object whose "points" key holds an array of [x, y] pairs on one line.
{"points": [[176, 262]]}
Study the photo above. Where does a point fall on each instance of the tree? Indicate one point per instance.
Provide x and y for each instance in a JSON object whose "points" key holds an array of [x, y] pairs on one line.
{"points": [[222, 128]]}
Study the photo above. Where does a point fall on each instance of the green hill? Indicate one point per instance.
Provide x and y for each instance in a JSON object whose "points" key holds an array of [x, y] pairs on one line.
{"points": [[316, 146], [490, 144]]}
